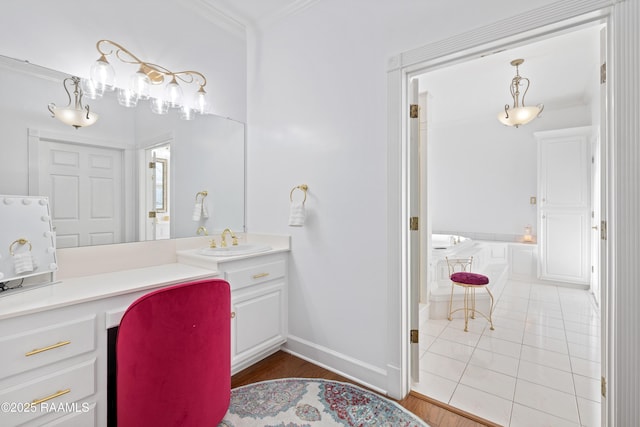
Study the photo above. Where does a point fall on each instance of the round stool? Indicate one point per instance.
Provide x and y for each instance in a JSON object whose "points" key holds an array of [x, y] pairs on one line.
{"points": [[470, 282]]}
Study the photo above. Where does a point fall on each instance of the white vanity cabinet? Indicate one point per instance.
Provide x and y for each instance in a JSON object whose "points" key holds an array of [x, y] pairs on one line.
{"points": [[48, 366], [259, 307]]}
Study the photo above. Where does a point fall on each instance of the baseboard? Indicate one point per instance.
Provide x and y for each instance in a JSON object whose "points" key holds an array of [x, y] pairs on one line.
{"points": [[356, 370]]}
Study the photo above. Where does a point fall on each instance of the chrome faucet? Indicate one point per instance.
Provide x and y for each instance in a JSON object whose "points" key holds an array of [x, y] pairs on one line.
{"points": [[202, 231], [234, 239]]}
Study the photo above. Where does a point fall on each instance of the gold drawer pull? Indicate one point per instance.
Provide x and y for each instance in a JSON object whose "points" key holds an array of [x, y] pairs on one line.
{"points": [[233, 314], [52, 396], [51, 347], [257, 276]]}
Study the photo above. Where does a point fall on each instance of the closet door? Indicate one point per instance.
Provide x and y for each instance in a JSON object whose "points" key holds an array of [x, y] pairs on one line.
{"points": [[564, 209]]}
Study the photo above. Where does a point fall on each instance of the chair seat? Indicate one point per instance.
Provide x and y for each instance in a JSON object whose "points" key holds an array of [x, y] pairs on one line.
{"points": [[466, 278]]}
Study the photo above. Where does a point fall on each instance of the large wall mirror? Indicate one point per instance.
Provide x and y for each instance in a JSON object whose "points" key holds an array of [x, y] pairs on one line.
{"points": [[131, 176]]}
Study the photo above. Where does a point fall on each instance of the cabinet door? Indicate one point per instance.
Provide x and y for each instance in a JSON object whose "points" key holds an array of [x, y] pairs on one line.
{"points": [[258, 322], [565, 206]]}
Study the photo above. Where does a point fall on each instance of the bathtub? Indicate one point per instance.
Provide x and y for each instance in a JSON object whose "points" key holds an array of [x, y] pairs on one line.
{"points": [[445, 244]]}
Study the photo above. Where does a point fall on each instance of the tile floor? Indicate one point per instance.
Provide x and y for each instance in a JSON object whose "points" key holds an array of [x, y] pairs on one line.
{"points": [[539, 367]]}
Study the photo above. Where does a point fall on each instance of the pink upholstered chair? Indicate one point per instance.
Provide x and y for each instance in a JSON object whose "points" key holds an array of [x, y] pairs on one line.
{"points": [[460, 275], [173, 358]]}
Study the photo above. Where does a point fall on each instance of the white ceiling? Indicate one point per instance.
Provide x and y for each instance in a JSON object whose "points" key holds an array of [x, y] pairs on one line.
{"points": [[563, 72], [561, 69]]}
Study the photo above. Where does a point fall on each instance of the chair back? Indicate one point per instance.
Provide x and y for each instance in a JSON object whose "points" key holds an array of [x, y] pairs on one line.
{"points": [[173, 357], [459, 264]]}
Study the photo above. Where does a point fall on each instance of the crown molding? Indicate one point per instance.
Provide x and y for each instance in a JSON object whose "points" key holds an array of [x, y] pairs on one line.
{"points": [[216, 13], [292, 8]]}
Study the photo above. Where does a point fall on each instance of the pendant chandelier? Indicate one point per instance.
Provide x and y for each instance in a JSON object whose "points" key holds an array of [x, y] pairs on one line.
{"points": [[103, 79], [74, 114], [519, 114]]}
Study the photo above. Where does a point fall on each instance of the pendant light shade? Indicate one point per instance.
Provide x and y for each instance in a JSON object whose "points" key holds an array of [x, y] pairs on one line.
{"points": [[519, 114], [74, 114]]}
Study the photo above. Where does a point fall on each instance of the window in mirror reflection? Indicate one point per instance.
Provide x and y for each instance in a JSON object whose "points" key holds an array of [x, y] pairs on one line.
{"points": [[161, 185]]}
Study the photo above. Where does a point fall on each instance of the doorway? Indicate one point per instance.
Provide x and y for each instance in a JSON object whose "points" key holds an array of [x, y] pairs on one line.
{"points": [[472, 184], [156, 191]]}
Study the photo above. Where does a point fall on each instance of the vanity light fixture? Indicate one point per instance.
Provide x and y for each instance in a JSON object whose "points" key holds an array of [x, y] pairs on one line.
{"points": [[103, 79], [74, 114], [519, 114]]}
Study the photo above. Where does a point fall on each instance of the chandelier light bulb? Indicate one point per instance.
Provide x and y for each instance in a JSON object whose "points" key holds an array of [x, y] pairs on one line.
{"points": [[159, 105], [173, 93], [90, 90], [201, 101], [186, 113], [140, 84], [127, 98], [103, 75]]}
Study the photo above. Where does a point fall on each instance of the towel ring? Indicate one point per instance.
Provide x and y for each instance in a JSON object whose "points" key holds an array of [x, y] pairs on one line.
{"points": [[20, 242], [202, 194], [303, 188]]}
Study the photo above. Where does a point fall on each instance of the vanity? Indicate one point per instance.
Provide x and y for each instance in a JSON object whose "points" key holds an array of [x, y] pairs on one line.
{"points": [[54, 340]]}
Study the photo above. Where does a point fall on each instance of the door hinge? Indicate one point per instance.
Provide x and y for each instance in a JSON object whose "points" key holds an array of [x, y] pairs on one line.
{"points": [[152, 214], [414, 336], [603, 230], [152, 165], [413, 223], [603, 386], [603, 73], [413, 111]]}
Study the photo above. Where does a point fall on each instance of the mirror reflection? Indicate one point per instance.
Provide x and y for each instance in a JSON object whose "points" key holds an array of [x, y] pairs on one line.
{"points": [[99, 181]]}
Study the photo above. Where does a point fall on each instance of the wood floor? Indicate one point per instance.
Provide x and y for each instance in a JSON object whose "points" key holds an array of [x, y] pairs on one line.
{"points": [[284, 365]]}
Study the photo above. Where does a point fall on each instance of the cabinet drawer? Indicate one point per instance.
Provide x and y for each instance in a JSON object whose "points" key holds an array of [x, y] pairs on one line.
{"points": [[61, 391], [248, 276], [40, 347], [83, 416]]}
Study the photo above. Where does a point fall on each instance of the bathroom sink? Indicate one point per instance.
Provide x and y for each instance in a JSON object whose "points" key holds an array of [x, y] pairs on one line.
{"points": [[241, 249]]}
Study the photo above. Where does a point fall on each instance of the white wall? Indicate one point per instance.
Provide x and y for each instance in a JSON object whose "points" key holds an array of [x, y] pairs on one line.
{"points": [[482, 173], [317, 115]]}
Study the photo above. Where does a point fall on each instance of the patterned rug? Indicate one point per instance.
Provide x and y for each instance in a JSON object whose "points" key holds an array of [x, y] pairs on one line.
{"points": [[299, 402]]}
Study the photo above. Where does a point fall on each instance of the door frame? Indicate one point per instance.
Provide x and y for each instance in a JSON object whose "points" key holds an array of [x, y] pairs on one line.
{"points": [[524, 28]]}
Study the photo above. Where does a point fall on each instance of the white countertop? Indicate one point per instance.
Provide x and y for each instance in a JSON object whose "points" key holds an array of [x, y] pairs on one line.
{"points": [[98, 272], [88, 288]]}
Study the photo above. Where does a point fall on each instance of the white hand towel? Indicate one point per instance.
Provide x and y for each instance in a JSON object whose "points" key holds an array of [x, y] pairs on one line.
{"points": [[23, 263], [296, 214], [197, 212], [204, 213]]}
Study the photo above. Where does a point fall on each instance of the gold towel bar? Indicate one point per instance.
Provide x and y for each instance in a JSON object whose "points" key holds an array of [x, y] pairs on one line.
{"points": [[202, 194], [20, 242], [303, 188]]}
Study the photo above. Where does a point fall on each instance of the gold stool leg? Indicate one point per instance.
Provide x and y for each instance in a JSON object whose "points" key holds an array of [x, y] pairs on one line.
{"points": [[490, 308], [451, 302], [466, 309], [473, 303]]}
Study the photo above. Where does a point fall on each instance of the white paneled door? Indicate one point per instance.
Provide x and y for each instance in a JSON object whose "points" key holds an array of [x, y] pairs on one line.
{"points": [[564, 210], [84, 186]]}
